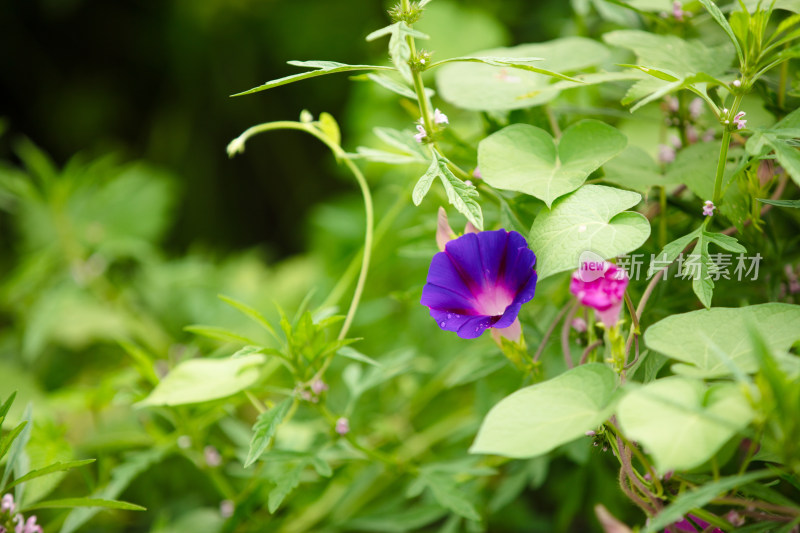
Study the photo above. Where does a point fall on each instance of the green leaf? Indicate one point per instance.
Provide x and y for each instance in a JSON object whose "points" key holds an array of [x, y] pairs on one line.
{"points": [[251, 313], [590, 219], [717, 15], [680, 423], [398, 88], [202, 380], [698, 498], [488, 87], [671, 252], [222, 334], [56, 467], [323, 68], [329, 128], [634, 169], [537, 419], [712, 340], [527, 159], [68, 503], [781, 203], [459, 194], [284, 484], [699, 267], [399, 49], [402, 140], [121, 477], [382, 156], [14, 443], [695, 166], [516, 63], [355, 355], [445, 491], [7, 406], [264, 429]]}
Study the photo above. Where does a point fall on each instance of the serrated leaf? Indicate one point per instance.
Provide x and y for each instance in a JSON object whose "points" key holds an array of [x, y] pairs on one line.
{"points": [[680, 422], [264, 429], [537, 419], [284, 484], [671, 252], [202, 380], [589, 219], [527, 159], [56, 467], [399, 49], [699, 337], [323, 68], [459, 194]]}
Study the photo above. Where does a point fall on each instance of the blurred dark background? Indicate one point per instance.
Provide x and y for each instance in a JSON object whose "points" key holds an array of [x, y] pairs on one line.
{"points": [[151, 80]]}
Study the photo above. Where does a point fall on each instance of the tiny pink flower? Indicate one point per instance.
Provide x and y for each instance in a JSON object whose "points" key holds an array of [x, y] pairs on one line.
{"points": [[318, 386], [342, 426], [708, 208], [212, 456], [666, 154], [7, 504], [602, 289], [675, 141], [579, 324], [677, 11], [439, 117], [421, 134], [31, 526], [739, 120], [737, 83], [477, 173], [226, 508], [696, 108], [691, 134]]}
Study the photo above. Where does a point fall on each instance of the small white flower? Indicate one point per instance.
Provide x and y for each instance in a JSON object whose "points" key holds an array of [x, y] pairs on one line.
{"points": [[439, 117], [420, 136]]}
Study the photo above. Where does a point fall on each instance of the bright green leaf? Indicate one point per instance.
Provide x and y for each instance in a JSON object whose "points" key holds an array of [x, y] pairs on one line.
{"points": [[527, 159], [68, 503], [698, 338], [323, 68], [680, 423], [593, 218], [537, 419], [201, 380]]}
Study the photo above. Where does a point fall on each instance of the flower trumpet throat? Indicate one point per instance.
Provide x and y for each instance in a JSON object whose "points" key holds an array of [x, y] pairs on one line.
{"points": [[480, 281]]}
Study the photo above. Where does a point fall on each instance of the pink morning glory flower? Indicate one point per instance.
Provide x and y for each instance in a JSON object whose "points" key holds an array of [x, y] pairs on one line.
{"points": [[601, 288], [480, 281]]}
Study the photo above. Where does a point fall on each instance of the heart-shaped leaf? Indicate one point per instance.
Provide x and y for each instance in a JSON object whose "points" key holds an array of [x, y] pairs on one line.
{"points": [[716, 342], [536, 419], [593, 218], [527, 159], [680, 422]]}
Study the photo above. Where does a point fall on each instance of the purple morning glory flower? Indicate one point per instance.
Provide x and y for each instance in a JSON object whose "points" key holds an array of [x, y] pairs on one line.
{"points": [[480, 281], [686, 525]]}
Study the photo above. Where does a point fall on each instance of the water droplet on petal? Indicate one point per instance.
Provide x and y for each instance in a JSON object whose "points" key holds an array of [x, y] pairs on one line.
{"points": [[449, 315], [478, 328], [442, 323]]}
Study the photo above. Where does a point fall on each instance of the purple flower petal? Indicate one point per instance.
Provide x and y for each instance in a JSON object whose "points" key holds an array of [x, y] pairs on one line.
{"points": [[480, 281]]}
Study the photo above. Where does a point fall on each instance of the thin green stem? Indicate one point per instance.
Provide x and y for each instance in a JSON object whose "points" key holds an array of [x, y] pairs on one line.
{"points": [[723, 152], [238, 143]]}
